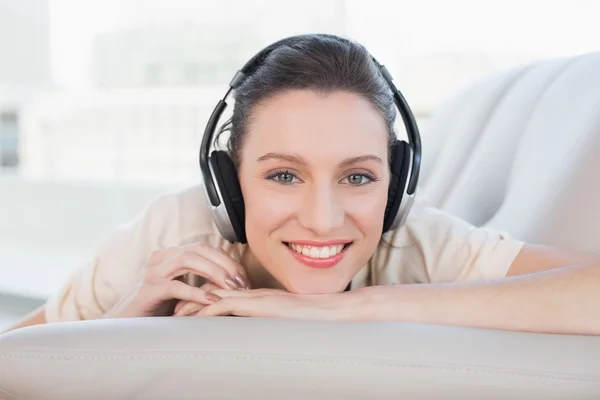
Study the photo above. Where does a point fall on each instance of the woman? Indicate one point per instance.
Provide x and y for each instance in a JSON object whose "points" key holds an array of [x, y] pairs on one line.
{"points": [[311, 142]]}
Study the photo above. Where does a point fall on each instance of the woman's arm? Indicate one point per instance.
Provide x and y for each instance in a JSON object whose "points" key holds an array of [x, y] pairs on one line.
{"points": [[563, 300], [36, 317], [536, 258]]}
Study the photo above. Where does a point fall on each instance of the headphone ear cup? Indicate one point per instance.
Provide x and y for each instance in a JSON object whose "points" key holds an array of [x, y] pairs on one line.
{"points": [[231, 192], [399, 168]]}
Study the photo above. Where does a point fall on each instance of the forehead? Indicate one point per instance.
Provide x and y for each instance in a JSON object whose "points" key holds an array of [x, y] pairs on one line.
{"points": [[333, 125]]}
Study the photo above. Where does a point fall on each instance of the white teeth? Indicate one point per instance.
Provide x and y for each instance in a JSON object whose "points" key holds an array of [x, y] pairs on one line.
{"points": [[324, 253], [317, 252]]}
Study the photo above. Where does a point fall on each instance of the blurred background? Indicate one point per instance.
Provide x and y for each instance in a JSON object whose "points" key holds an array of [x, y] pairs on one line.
{"points": [[103, 102]]}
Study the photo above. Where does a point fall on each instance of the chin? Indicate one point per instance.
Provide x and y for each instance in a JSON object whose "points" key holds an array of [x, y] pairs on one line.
{"points": [[316, 287]]}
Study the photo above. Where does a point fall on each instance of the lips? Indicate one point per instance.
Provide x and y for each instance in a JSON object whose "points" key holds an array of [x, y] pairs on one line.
{"points": [[318, 255]]}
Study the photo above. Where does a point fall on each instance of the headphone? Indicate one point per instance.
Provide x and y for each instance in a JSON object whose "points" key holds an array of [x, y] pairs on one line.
{"points": [[221, 184]]}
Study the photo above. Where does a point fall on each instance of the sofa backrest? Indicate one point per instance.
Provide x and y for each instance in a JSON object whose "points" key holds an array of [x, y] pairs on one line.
{"points": [[520, 152]]}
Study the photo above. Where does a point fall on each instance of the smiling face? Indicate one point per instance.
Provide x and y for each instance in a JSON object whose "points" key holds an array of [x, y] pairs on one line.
{"points": [[314, 175]]}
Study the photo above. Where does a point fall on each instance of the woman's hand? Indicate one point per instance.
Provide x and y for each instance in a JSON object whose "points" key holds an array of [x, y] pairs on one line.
{"points": [[346, 306], [160, 280], [187, 307]]}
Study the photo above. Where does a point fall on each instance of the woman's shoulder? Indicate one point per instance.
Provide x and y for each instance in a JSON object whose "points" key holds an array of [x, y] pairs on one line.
{"points": [[182, 211], [400, 252], [183, 216], [422, 217], [436, 246]]}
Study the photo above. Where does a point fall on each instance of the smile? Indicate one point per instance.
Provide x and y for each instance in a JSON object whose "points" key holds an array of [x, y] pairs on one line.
{"points": [[318, 256]]}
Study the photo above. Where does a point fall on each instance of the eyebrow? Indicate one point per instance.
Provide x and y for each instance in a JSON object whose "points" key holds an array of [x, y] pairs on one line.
{"points": [[301, 161]]}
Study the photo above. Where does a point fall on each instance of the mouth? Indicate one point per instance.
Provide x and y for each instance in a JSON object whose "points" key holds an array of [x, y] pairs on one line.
{"points": [[319, 256]]}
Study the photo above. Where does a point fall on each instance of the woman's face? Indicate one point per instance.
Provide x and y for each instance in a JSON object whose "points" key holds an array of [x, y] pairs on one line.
{"points": [[314, 175]]}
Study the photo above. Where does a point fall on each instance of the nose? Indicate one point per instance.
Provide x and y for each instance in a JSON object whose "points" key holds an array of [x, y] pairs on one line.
{"points": [[321, 210]]}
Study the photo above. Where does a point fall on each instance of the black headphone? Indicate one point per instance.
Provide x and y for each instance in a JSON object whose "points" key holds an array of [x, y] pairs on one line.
{"points": [[221, 183]]}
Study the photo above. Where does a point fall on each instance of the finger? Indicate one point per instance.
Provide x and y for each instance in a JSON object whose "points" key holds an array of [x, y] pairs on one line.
{"points": [[235, 271], [209, 287], [189, 309], [246, 293], [179, 305], [181, 291], [241, 307], [219, 257], [224, 293], [160, 256], [224, 307], [191, 262], [183, 303]]}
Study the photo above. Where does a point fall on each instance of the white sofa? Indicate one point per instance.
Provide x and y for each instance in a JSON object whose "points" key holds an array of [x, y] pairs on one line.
{"points": [[517, 151]]}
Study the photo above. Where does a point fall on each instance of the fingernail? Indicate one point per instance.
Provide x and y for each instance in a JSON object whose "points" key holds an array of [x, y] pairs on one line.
{"points": [[232, 284], [212, 297], [242, 281]]}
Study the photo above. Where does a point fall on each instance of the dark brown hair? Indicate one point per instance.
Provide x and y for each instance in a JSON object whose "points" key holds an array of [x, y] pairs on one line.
{"points": [[323, 63]]}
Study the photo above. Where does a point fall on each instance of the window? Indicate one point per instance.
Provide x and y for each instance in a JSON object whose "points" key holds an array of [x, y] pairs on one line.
{"points": [[9, 139]]}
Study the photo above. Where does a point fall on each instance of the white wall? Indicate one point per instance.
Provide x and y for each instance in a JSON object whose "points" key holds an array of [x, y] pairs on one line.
{"points": [[24, 43]]}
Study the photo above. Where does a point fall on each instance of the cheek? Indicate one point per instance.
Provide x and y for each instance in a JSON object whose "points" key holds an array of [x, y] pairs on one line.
{"points": [[367, 212], [265, 211]]}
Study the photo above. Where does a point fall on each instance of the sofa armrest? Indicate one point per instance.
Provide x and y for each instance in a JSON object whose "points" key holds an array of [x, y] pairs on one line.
{"points": [[255, 358]]}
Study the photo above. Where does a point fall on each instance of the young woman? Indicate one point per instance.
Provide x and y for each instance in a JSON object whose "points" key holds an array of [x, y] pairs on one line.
{"points": [[312, 142]]}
